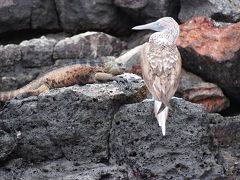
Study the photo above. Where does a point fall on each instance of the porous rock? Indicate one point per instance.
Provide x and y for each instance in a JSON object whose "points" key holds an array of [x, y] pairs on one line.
{"points": [[92, 132], [220, 10], [72, 122], [212, 51], [69, 170], [37, 52]]}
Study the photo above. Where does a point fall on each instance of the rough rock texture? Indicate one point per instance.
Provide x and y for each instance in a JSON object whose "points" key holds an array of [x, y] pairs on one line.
{"points": [[70, 122], [88, 45], [192, 88], [74, 170], [142, 11], [92, 132], [225, 136], [182, 153], [220, 10], [213, 52]]}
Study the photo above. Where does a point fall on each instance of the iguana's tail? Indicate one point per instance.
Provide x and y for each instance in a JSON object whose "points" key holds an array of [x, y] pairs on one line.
{"points": [[7, 95]]}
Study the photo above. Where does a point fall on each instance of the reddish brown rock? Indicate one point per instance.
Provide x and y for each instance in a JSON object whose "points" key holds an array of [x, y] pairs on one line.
{"points": [[212, 50], [194, 89]]}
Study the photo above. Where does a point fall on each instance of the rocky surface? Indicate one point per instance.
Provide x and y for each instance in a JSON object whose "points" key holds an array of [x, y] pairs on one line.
{"points": [[143, 11], [93, 132], [52, 121], [77, 16], [105, 131], [223, 10], [28, 15], [213, 52]]}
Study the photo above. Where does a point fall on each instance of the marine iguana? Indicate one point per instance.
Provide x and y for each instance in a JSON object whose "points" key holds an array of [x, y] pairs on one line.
{"points": [[66, 76]]}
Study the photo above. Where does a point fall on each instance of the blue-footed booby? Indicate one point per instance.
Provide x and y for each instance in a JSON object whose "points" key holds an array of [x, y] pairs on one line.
{"points": [[161, 65]]}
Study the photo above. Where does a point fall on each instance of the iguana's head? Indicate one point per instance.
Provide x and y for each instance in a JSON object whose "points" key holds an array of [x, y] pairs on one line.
{"points": [[114, 67]]}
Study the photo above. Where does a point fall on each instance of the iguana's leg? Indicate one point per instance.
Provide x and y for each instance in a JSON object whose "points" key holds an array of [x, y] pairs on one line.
{"points": [[43, 88], [101, 76]]}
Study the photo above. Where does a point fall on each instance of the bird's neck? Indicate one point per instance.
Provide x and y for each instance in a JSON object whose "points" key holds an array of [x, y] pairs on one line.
{"points": [[166, 37]]}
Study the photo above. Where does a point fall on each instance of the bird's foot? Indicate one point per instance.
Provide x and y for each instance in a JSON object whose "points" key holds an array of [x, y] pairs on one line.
{"points": [[148, 100]]}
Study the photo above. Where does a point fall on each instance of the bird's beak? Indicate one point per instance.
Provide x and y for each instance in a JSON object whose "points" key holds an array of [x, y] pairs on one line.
{"points": [[152, 26]]}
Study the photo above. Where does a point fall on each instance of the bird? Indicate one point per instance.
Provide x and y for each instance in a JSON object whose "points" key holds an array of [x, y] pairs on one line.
{"points": [[161, 64]]}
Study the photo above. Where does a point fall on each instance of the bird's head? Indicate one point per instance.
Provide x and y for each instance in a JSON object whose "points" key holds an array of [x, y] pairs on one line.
{"points": [[167, 27]]}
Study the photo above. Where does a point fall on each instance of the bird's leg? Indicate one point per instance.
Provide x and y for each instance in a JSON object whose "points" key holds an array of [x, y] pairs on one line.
{"points": [[148, 100], [161, 118], [157, 106]]}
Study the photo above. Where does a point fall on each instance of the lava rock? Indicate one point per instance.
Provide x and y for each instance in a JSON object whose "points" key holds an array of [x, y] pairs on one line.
{"points": [[72, 122], [37, 52], [88, 45], [68, 170], [101, 15], [8, 142], [224, 10], [143, 11], [136, 139], [212, 51], [225, 135]]}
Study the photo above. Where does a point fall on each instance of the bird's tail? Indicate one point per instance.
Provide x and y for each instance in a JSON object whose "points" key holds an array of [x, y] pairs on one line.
{"points": [[161, 113]]}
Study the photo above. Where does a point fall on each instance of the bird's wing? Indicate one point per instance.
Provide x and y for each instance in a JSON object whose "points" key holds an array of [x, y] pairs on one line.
{"points": [[161, 68]]}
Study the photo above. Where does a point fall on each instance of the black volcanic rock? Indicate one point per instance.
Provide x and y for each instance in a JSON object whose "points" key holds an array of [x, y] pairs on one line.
{"points": [[219, 10], [103, 131]]}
